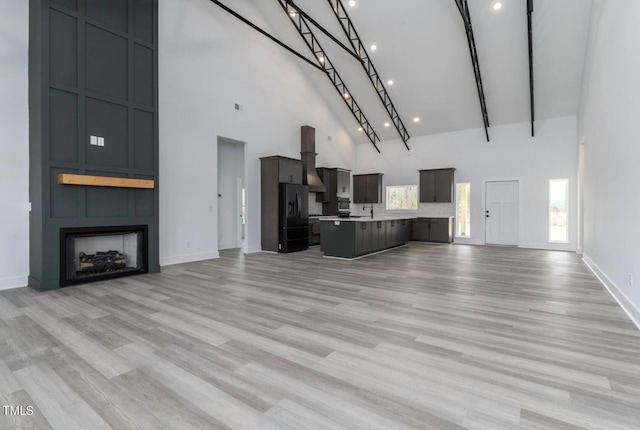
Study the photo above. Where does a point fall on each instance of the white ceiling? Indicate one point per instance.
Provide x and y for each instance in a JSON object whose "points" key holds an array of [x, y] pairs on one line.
{"points": [[422, 46]]}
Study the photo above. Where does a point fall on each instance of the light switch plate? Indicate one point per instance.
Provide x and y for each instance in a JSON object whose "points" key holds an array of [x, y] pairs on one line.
{"points": [[93, 140], [100, 141]]}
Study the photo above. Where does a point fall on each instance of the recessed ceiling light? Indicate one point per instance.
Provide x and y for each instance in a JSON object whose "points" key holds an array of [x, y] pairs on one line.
{"points": [[497, 5], [321, 59], [386, 124], [346, 95], [292, 13], [390, 82], [359, 128], [416, 119], [374, 47], [352, 3]]}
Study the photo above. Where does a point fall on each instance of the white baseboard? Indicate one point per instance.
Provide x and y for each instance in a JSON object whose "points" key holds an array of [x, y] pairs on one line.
{"points": [[253, 249], [188, 258], [624, 302], [550, 246], [14, 282]]}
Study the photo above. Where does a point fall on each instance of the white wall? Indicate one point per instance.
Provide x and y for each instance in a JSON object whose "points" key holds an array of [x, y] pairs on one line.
{"points": [[209, 61], [511, 154], [14, 143], [608, 122]]}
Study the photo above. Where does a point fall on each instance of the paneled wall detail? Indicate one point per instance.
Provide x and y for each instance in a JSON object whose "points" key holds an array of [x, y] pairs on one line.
{"points": [[94, 73]]}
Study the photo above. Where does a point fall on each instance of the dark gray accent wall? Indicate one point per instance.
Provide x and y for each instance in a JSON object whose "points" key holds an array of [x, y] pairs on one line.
{"points": [[93, 70]]}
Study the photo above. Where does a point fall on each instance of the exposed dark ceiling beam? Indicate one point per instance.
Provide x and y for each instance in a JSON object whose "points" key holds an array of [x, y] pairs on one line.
{"points": [[530, 28], [304, 29], [466, 18], [325, 31], [350, 31], [264, 33]]}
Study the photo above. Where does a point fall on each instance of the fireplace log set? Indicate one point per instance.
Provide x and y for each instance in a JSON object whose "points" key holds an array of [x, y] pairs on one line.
{"points": [[101, 262]]}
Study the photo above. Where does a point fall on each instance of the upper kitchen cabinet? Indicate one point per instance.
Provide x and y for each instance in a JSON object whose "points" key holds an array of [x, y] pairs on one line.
{"points": [[338, 185], [367, 188], [285, 170], [436, 185], [343, 183]]}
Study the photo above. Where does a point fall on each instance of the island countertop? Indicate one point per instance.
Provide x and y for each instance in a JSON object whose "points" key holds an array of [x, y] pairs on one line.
{"points": [[368, 218]]}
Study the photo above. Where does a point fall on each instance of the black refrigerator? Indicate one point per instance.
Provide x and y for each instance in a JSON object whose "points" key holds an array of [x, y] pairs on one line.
{"points": [[294, 218]]}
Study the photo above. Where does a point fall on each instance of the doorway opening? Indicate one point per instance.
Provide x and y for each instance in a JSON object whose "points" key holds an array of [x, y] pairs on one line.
{"points": [[231, 194]]}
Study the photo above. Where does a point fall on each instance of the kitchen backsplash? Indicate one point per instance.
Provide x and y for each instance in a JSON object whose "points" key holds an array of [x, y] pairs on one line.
{"points": [[315, 208], [425, 210], [436, 210]]}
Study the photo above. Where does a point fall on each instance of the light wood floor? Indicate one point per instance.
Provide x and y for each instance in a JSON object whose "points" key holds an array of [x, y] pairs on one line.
{"points": [[422, 337]]}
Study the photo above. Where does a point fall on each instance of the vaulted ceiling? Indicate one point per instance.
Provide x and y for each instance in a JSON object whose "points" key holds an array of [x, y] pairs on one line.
{"points": [[422, 47]]}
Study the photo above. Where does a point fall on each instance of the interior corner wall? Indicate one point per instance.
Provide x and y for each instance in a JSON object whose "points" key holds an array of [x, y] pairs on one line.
{"points": [[511, 154], [208, 62], [14, 143], [608, 122]]}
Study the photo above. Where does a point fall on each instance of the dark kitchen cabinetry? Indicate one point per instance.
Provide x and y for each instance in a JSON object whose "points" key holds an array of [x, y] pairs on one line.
{"points": [[367, 188], [349, 239], [436, 185], [362, 237], [338, 185], [433, 230], [274, 171], [289, 170]]}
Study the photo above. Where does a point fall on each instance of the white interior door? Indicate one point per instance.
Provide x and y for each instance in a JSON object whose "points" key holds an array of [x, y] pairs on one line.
{"points": [[501, 214], [230, 183]]}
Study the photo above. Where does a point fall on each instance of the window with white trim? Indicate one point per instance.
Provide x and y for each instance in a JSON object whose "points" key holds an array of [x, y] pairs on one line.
{"points": [[558, 202], [402, 197], [463, 209]]}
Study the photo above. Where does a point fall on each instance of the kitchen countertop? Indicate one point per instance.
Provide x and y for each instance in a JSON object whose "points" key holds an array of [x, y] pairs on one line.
{"points": [[367, 218]]}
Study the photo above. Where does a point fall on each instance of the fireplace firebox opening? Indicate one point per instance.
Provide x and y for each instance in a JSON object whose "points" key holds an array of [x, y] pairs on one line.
{"points": [[89, 254]]}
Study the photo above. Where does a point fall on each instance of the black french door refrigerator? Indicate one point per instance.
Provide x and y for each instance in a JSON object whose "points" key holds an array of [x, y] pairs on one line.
{"points": [[294, 218]]}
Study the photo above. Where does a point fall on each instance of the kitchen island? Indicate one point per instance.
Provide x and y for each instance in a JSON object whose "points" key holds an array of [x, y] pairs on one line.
{"points": [[356, 237]]}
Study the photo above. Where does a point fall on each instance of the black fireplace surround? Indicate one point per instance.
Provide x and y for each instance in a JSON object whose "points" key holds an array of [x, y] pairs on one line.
{"points": [[89, 254]]}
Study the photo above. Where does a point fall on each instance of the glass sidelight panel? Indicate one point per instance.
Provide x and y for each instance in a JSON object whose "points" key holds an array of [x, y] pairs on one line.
{"points": [[558, 193]]}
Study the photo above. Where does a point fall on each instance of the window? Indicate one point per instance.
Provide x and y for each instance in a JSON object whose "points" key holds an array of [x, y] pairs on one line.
{"points": [[463, 209], [558, 191], [402, 197]]}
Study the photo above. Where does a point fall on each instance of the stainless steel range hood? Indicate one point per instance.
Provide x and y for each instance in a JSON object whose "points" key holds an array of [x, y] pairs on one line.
{"points": [[308, 156]]}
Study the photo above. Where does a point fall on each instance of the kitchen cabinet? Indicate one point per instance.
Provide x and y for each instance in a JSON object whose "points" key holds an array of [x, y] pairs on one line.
{"points": [[363, 238], [433, 230], [392, 233], [289, 170], [343, 185], [274, 170], [405, 230], [349, 238], [436, 185], [338, 184], [367, 188]]}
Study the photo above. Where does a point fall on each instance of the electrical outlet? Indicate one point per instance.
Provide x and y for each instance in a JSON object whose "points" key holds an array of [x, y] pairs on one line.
{"points": [[630, 279]]}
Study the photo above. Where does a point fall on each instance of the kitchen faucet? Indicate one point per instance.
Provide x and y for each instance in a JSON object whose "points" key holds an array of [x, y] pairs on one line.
{"points": [[365, 206]]}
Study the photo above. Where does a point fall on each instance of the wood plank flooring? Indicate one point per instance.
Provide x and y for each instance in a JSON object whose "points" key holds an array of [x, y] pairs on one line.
{"points": [[422, 337]]}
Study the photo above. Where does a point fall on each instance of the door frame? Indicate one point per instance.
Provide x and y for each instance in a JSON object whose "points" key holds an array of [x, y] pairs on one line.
{"points": [[517, 179], [238, 178]]}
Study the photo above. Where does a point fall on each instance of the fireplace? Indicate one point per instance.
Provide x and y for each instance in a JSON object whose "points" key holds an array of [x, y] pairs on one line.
{"points": [[90, 254]]}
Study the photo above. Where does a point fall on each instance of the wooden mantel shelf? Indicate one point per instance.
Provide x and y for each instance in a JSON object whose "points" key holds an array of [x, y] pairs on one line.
{"points": [[104, 181]]}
